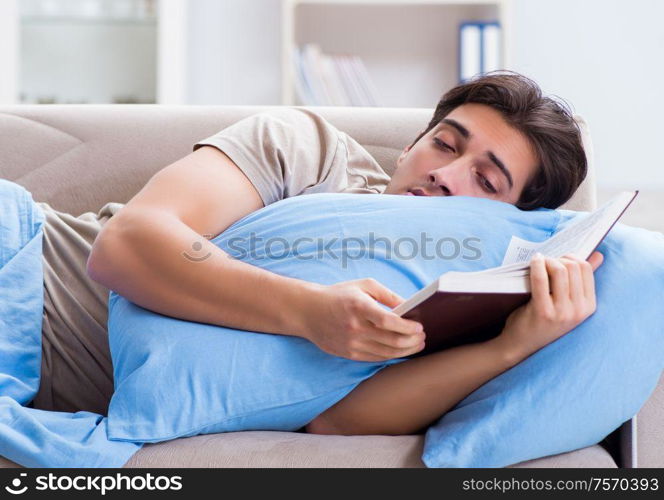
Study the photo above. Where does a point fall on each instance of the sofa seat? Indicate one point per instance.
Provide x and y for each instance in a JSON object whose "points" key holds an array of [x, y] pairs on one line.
{"points": [[263, 449], [79, 157]]}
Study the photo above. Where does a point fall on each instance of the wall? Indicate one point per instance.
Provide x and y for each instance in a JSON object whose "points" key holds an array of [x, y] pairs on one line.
{"points": [[591, 52], [605, 58], [234, 52], [8, 50]]}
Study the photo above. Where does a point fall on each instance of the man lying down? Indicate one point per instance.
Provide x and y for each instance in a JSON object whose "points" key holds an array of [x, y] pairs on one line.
{"points": [[495, 137]]}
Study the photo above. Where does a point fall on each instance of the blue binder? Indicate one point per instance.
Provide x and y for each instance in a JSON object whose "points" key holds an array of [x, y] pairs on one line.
{"points": [[480, 48]]}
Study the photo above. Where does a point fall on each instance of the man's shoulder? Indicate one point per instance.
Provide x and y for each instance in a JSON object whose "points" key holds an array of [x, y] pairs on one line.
{"points": [[292, 115]]}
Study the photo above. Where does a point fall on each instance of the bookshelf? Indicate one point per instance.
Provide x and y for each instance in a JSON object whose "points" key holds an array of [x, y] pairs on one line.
{"points": [[410, 48]]}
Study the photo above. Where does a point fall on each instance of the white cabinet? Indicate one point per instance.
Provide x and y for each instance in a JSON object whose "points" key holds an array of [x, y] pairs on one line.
{"points": [[92, 51], [410, 48]]}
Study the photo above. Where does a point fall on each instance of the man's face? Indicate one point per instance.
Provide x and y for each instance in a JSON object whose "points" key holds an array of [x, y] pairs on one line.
{"points": [[471, 152]]}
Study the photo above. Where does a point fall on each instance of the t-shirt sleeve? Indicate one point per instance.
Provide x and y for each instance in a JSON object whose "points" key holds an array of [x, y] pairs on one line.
{"points": [[284, 151]]}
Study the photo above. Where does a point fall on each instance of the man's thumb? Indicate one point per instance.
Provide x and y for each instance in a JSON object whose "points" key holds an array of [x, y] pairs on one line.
{"points": [[596, 260]]}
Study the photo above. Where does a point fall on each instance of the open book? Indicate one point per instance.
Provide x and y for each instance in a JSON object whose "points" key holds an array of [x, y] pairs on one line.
{"points": [[464, 307]]}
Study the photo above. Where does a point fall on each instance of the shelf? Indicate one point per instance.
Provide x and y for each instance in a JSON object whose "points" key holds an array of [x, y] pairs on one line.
{"points": [[395, 2], [58, 20], [410, 48]]}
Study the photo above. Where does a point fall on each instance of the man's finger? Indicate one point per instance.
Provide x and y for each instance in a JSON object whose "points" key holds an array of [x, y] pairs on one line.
{"points": [[596, 260], [368, 356], [587, 275], [576, 287], [387, 320], [380, 293], [392, 339], [559, 280], [539, 281], [386, 352]]}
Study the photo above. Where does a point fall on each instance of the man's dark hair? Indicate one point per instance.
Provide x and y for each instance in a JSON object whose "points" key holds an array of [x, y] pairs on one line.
{"points": [[547, 122]]}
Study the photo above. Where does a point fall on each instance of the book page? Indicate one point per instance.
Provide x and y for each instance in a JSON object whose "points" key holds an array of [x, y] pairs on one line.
{"points": [[520, 250], [580, 237]]}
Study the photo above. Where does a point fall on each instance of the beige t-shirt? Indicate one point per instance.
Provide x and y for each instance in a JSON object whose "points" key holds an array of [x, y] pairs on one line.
{"points": [[290, 151], [283, 153]]}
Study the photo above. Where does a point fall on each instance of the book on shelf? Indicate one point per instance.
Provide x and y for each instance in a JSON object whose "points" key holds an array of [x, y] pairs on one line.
{"points": [[464, 307], [302, 80], [479, 48], [331, 79], [313, 68], [348, 80], [365, 82]]}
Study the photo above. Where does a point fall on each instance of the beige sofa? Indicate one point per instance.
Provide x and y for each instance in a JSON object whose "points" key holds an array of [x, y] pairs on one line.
{"points": [[78, 157]]}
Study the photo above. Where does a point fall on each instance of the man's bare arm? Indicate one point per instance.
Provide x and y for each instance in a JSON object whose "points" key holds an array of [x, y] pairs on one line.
{"points": [[141, 251], [140, 254], [405, 398]]}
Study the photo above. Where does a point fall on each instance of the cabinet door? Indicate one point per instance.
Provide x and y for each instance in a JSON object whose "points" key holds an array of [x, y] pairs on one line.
{"points": [[87, 51]]}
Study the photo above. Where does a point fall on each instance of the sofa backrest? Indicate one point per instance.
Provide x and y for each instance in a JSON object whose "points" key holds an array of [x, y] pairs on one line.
{"points": [[78, 157]]}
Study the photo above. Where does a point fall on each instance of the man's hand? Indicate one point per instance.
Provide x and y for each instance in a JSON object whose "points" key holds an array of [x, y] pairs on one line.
{"points": [[563, 296], [345, 319]]}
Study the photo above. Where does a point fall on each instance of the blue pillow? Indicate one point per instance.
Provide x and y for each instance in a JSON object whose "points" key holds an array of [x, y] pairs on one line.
{"points": [[575, 391], [177, 378]]}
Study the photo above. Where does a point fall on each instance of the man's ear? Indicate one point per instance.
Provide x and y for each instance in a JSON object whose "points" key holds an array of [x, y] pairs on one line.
{"points": [[404, 153], [407, 148]]}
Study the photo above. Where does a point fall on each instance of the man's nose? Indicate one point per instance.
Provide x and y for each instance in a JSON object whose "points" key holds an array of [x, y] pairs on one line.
{"points": [[448, 180]]}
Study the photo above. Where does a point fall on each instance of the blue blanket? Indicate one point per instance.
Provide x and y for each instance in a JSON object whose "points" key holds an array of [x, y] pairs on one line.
{"points": [[31, 437]]}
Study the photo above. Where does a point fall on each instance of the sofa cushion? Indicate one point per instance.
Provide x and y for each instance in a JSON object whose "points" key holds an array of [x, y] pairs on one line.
{"points": [[649, 431], [94, 154], [262, 449], [291, 449]]}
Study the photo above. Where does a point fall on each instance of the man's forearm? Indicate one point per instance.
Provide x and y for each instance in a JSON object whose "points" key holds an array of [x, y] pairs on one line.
{"points": [[406, 397], [143, 259]]}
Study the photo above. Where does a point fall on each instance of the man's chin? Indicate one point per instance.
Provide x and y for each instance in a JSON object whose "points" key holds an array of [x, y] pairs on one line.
{"points": [[397, 191], [391, 190]]}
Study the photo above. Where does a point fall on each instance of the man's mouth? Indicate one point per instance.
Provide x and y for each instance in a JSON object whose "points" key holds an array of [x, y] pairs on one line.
{"points": [[417, 192]]}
